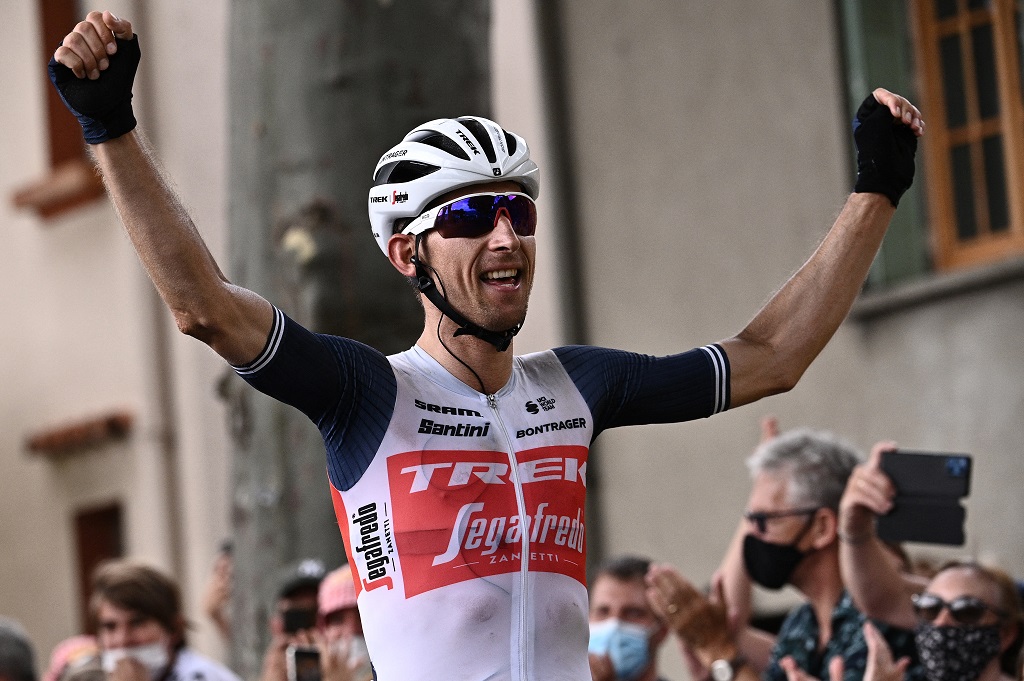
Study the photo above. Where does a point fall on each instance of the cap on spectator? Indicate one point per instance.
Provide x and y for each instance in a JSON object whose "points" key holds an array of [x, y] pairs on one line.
{"points": [[307, 573], [337, 591], [69, 653]]}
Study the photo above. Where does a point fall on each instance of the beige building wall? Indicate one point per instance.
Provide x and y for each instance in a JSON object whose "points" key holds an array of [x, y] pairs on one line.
{"points": [[86, 335]]}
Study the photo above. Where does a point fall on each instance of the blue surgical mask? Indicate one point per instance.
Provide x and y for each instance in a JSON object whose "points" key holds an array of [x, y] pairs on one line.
{"points": [[626, 645]]}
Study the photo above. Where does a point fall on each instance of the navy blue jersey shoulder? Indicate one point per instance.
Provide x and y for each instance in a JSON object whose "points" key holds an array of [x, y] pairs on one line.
{"points": [[625, 388], [346, 388], [349, 389]]}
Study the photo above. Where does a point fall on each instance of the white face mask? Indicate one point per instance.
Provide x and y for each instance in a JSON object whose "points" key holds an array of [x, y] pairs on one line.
{"points": [[354, 651], [152, 656]]}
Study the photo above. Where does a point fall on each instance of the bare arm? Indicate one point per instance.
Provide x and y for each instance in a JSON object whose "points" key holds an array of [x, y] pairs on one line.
{"points": [[875, 583], [771, 354], [732, 580], [233, 321]]}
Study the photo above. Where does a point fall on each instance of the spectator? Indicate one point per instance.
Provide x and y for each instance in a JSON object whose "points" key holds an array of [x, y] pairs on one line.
{"points": [[625, 632], [343, 655], [294, 618], [17, 662], [70, 655], [788, 536], [217, 596], [141, 628], [968, 619]]}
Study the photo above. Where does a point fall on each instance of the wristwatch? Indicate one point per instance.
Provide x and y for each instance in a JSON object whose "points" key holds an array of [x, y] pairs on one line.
{"points": [[725, 670]]}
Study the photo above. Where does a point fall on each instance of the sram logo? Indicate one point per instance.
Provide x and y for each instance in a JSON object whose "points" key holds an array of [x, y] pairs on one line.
{"points": [[456, 515]]}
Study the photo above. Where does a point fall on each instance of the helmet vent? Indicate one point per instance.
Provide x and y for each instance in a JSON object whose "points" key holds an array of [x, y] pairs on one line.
{"points": [[442, 142], [477, 129], [403, 171], [510, 142]]}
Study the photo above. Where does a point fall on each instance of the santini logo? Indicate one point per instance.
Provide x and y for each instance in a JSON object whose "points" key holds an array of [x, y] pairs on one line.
{"points": [[428, 427]]}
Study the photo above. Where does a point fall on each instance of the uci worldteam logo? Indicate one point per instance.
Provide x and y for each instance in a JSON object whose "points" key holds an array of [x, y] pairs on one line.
{"points": [[543, 402]]}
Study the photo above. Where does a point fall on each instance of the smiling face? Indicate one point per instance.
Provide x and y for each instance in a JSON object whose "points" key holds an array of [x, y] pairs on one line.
{"points": [[487, 278]]}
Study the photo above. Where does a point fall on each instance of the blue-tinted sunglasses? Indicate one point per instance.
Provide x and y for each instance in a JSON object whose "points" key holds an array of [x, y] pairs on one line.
{"points": [[472, 216]]}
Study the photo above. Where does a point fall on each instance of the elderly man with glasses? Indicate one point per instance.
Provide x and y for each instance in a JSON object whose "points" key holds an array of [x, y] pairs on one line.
{"points": [[789, 535]]}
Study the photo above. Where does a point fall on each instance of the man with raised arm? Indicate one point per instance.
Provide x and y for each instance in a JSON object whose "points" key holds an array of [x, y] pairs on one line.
{"points": [[458, 470]]}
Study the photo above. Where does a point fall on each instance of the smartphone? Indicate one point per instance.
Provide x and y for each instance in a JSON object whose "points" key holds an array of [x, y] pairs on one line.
{"points": [[929, 487], [303, 663], [295, 619]]}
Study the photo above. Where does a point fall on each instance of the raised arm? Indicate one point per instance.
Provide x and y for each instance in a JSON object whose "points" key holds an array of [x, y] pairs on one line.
{"points": [[732, 580], [873, 580], [93, 70], [771, 354]]}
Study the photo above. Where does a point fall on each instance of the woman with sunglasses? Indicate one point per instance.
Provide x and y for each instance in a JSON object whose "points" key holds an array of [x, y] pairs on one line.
{"points": [[967, 619]]}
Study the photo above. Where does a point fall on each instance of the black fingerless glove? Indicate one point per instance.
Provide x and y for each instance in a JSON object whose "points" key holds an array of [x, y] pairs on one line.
{"points": [[103, 106], [885, 151]]}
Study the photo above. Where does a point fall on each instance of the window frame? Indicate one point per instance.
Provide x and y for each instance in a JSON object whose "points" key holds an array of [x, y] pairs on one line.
{"points": [[72, 180], [950, 252]]}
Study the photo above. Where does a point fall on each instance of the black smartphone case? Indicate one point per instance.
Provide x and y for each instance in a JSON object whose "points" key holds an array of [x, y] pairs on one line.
{"points": [[927, 506]]}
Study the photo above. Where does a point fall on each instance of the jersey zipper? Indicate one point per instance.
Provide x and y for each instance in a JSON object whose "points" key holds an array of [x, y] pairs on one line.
{"points": [[524, 563]]}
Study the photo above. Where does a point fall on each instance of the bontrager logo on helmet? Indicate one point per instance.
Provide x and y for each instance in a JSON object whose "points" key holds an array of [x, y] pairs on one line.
{"points": [[439, 156]]}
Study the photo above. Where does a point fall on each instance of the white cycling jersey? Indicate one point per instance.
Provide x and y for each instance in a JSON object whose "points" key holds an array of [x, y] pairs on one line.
{"points": [[463, 513]]}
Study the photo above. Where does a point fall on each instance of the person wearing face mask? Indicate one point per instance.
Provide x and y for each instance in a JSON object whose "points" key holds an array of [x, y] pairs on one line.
{"points": [[968, 618], [788, 536], [140, 627], [343, 654], [625, 632]]}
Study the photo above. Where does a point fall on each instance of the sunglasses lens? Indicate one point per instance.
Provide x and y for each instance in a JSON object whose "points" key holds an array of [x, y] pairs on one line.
{"points": [[928, 607], [966, 612], [475, 216], [466, 218], [523, 214]]}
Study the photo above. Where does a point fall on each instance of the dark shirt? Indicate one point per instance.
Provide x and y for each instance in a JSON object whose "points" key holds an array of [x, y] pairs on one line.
{"points": [[798, 638]]}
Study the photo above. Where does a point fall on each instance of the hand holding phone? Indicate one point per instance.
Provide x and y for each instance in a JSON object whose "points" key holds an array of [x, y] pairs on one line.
{"points": [[303, 664]]}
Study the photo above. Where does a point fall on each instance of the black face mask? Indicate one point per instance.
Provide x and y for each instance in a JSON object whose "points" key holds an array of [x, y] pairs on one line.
{"points": [[771, 565], [956, 653]]}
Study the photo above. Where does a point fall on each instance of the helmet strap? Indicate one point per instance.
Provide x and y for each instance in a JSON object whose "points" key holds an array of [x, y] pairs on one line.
{"points": [[499, 339]]}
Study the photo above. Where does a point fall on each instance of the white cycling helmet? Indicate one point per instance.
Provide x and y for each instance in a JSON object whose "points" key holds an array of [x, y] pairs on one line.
{"points": [[440, 156]]}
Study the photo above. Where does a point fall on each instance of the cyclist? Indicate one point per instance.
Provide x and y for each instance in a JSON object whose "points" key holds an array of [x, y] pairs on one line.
{"points": [[458, 470]]}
